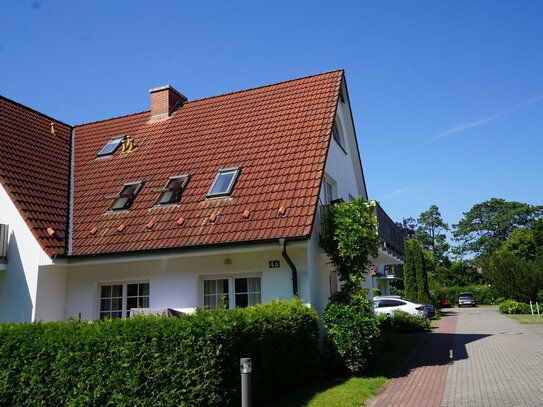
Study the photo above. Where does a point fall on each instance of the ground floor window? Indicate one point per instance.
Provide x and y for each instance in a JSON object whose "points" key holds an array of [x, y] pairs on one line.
{"points": [[231, 292], [116, 300]]}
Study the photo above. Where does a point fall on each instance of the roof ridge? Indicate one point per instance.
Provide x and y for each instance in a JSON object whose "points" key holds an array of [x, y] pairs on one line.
{"points": [[267, 85], [111, 118], [221, 95], [35, 111]]}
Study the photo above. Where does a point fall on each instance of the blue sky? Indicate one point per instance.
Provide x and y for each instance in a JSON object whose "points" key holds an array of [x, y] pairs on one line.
{"points": [[447, 96]]}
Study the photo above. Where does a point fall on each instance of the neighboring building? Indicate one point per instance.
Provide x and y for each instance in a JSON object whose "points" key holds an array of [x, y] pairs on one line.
{"points": [[191, 204]]}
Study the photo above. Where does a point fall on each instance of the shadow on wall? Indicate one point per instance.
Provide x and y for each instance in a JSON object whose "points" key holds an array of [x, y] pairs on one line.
{"points": [[15, 301]]}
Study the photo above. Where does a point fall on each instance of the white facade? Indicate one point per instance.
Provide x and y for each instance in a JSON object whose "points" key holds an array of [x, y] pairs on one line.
{"points": [[19, 280]]}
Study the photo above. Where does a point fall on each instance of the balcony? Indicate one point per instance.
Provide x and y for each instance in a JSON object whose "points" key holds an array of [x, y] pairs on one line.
{"points": [[391, 250], [392, 241]]}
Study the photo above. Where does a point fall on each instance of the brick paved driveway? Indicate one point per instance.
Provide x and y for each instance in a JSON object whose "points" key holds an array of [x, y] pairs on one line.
{"points": [[476, 357]]}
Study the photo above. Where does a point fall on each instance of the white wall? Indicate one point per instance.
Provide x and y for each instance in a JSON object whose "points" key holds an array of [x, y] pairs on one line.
{"points": [[19, 282], [342, 164], [175, 282]]}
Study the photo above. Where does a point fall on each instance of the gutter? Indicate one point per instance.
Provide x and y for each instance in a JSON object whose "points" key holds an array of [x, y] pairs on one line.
{"points": [[283, 244]]}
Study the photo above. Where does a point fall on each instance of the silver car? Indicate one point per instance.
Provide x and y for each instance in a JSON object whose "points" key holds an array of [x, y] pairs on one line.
{"points": [[466, 299]]}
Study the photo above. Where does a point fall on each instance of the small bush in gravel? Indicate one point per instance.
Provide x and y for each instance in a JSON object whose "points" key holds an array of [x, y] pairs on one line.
{"points": [[514, 307]]}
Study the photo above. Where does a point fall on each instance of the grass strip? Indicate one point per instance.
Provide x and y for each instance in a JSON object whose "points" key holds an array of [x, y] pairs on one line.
{"points": [[353, 391]]}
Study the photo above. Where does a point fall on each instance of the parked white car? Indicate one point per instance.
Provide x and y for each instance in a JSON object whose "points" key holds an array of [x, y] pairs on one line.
{"points": [[390, 303]]}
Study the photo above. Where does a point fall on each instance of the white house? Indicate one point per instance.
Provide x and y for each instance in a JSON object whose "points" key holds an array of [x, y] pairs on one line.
{"points": [[205, 203]]}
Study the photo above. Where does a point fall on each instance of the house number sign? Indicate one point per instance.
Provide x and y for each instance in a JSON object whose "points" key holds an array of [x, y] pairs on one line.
{"points": [[274, 264]]}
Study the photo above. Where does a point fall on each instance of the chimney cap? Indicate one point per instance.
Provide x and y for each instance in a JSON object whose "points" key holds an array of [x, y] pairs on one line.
{"points": [[168, 87]]}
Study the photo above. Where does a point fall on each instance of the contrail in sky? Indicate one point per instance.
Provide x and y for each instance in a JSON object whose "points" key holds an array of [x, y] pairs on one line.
{"points": [[488, 119]]}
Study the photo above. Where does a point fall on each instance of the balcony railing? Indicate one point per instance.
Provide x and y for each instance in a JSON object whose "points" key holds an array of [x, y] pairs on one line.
{"points": [[390, 235], [394, 271], [4, 235]]}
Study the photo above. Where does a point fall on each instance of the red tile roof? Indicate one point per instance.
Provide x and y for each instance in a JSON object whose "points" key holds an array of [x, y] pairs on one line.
{"points": [[278, 135], [34, 170]]}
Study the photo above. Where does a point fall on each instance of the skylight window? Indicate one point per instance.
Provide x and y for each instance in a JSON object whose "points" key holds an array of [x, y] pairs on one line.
{"points": [[224, 182], [111, 146], [125, 197], [171, 193]]}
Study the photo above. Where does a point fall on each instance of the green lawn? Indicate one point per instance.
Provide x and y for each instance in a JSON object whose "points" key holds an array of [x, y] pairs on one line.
{"points": [[354, 391], [527, 319]]}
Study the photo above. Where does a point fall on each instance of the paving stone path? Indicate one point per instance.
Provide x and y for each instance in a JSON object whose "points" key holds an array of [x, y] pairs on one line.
{"points": [[476, 357]]}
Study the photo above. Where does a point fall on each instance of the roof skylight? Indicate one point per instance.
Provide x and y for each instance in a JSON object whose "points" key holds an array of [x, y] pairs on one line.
{"points": [[171, 193], [111, 146], [125, 197], [224, 182]]}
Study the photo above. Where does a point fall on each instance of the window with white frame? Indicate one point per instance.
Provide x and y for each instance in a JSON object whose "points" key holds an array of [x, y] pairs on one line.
{"points": [[116, 300], [328, 188], [231, 292]]}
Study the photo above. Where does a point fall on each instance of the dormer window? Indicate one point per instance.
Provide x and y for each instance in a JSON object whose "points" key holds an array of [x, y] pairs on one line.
{"points": [[171, 193], [125, 197], [223, 183], [111, 146]]}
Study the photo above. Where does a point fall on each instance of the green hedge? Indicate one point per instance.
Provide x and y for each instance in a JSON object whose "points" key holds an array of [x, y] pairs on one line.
{"points": [[402, 322], [157, 361], [483, 294], [514, 307]]}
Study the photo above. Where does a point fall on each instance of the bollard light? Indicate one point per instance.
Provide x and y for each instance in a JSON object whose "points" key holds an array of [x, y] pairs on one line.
{"points": [[245, 365]]}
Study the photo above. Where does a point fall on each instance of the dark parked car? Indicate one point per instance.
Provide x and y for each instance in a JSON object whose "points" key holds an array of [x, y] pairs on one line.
{"points": [[429, 311], [466, 299]]}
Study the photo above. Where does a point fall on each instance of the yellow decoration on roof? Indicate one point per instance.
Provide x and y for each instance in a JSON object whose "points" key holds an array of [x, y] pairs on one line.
{"points": [[128, 145]]}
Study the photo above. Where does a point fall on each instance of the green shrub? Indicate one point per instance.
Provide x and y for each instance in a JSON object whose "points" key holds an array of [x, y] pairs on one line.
{"points": [[351, 328], [483, 294], [402, 323], [514, 307], [376, 292], [192, 360], [540, 296]]}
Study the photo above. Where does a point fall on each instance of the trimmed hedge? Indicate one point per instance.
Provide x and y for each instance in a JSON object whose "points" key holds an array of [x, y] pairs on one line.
{"points": [[158, 361]]}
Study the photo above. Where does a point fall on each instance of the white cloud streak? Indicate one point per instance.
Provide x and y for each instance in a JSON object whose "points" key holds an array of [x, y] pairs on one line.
{"points": [[398, 192], [488, 119]]}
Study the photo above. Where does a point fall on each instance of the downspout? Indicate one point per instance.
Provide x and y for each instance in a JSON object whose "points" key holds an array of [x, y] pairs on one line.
{"points": [[283, 244]]}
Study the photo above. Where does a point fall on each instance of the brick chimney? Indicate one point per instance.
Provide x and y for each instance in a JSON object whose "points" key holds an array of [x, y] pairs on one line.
{"points": [[164, 101]]}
